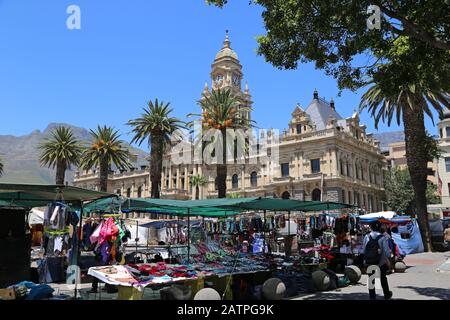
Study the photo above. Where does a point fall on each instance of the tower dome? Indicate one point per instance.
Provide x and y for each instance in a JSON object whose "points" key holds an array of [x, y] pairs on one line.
{"points": [[226, 51]]}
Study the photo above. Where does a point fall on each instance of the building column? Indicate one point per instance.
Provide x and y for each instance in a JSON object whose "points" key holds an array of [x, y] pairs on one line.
{"points": [[178, 179], [302, 172], [330, 172], [186, 179], [170, 178], [297, 164], [335, 166]]}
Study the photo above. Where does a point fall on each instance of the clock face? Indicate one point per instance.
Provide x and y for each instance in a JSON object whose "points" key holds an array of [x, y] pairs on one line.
{"points": [[219, 79], [236, 80]]}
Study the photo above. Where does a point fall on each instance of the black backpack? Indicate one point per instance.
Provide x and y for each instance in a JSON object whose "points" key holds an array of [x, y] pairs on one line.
{"points": [[372, 254]]}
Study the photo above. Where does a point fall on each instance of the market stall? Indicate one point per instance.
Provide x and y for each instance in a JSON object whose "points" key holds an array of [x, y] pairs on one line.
{"points": [[63, 206], [231, 257]]}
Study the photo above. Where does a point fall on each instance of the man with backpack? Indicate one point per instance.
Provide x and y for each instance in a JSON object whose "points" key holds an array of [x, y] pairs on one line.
{"points": [[377, 252]]}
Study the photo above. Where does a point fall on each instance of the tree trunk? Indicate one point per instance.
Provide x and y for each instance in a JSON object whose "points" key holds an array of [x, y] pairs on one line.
{"points": [[104, 168], [60, 172], [222, 169], [417, 160], [197, 192], [156, 157]]}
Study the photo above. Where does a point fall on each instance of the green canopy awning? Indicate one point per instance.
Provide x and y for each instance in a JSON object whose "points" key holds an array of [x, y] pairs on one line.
{"points": [[211, 207], [35, 195]]}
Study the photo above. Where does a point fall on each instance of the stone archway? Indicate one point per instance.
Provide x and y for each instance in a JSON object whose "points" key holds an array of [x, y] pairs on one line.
{"points": [[316, 195]]}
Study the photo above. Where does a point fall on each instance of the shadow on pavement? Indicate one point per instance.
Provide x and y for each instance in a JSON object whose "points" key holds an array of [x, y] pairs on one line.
{"points": [[441, 293]]}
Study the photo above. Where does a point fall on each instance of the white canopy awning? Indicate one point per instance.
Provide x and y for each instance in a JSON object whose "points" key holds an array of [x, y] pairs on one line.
{"points": [[382, 214]]}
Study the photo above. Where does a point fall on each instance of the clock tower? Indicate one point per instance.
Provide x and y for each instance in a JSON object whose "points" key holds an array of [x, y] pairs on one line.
{"points": [[226, 74]]}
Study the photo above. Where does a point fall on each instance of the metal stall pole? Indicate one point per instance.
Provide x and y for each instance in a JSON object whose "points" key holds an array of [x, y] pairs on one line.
{"points": [[78, 260], [264, 232], [289, 224], [136, 240], [189, 235]]}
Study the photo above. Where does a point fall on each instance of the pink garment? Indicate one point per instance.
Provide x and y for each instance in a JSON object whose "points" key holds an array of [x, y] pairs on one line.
{"points": [[106, 231], [94, 236]]}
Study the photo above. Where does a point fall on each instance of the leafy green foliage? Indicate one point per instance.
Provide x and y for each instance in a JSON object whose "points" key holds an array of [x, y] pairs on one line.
{"points": [[106, 149], [61, 147], [198, 181], [400, 193], [156, 120], [334, 35], [158, 127]]}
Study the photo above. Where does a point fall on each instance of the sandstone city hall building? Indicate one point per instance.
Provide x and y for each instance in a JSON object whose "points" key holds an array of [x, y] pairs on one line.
{"points": [[322, 156]]}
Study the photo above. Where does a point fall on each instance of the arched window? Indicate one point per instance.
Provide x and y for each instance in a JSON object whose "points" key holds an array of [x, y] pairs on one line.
{"points": [[299, 128], [234, 181], [128, 192], [342, 167], [139, 192], [286, 195], [253, 179], [216, 184], [316, 194]]}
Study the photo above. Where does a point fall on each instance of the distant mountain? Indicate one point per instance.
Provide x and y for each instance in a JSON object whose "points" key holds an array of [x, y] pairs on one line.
{"points": [[387, 138], [20, 156]]}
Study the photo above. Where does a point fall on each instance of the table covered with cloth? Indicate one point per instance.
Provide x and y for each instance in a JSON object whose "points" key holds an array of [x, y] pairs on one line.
{"points": [[163, 273]]}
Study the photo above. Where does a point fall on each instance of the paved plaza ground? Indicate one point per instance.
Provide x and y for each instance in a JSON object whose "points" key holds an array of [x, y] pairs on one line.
{"points": [[427, 278]]}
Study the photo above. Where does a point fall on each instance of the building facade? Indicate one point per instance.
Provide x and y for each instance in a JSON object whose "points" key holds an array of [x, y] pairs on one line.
{"points": [[396, 158], [322, 156], [444, 160]]}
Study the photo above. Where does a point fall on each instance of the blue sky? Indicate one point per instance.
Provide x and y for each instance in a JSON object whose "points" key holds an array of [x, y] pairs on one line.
{"points": [[129, 52]]}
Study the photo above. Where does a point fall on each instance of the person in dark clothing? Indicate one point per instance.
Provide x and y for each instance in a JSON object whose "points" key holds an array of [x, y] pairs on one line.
{"points": [[377, 252]]}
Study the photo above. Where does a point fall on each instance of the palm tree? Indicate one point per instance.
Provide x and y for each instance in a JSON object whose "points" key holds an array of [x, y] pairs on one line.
{"points": [[198, 181], [1, 167], [106, 149], [60, 151], [156, 125], [220, 112], [411, 103]]}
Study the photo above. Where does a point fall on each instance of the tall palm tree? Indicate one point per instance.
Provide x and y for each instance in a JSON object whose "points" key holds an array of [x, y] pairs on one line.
{"points": [[409, 103], [1, 167], [60, 151], [156, 125], [220, 111], [106, 149], [198, 181]]}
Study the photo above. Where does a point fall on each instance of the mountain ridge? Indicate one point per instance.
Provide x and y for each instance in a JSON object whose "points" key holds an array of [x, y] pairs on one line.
{"points": [[21, 162]]}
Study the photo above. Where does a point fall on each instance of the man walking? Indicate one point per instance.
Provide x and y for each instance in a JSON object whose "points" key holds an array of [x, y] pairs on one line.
{"points": [[377, 252]]}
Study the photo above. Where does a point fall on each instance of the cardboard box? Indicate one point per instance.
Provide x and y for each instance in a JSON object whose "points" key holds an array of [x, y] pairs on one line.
{"points": [[7, 294]]}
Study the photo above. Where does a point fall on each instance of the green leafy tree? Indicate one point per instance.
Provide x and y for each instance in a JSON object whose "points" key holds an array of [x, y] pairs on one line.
{"points": [[406, 61], [220, 112], [234, 195], [156, 125], [198, 181], [333, 34], [60, 151], [400, 192], [106, 149]]}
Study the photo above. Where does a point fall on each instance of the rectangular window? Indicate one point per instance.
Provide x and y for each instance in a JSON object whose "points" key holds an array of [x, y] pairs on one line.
{"points": [[448, 186], [447, 132], [315, 165], [447, 164], [299, 128], [285, 169]]}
